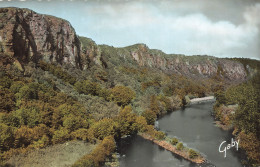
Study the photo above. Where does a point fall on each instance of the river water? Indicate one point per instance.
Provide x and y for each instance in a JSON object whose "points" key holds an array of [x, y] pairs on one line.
{"points": [[194, 126]]}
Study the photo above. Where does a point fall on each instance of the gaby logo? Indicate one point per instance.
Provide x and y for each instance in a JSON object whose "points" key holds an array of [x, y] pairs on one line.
{"points": [[224, 149]]}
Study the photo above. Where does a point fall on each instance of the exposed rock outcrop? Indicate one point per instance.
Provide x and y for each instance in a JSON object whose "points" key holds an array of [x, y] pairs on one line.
{"points": [[28, 36], [193, 66]]}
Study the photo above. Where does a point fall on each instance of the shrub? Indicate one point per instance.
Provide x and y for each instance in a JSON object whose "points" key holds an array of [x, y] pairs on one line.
{"points": [[193, 153], [160, 135], [179, 146], [174, 141], [41, 143]]}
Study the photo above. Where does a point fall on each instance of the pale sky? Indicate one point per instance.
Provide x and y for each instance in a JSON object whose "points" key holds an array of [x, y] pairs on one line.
{"points": [[222, 28]]}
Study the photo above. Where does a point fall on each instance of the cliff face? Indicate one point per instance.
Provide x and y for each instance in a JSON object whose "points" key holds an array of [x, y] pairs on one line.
{"points": [[192, 66], [28, 36]]}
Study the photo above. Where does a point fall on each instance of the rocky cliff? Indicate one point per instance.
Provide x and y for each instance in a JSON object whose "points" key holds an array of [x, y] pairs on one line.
{"points": [[28, 36], [192, 66]]}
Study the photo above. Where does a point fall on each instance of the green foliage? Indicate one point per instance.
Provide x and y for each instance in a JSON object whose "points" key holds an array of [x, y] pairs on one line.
{"points": [[32, 115], [60, 136], [179, 146], [28, 91], [154, 105], [154, 83], [251, 144], [122, 95], [81, 134], [72, 122], [57, 71], [103, 128], [125, 122], [7, 100], [160, 135], [140, 124], [174, 141], [6, 137], [220, 97], [16, 86], [246, 117], [150, 116], [87, 87], [5, 82], [165, 102], [193, 154]]}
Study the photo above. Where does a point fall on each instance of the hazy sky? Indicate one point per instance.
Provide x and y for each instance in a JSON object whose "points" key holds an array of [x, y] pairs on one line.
{"points": [[222, 28]]}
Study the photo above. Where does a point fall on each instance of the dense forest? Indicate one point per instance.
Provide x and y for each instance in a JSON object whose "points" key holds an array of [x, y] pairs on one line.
{"points": [[244, 118], [36, 113]]}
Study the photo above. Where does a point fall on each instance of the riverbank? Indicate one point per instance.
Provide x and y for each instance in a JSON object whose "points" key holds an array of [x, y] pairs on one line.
{"points": [[166, 145], [202, 100], [224, 115]]}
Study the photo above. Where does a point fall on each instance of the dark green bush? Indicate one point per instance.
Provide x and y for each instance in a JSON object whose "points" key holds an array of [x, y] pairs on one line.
{"points": [[179, 146], [174, 141], [193, 153]]}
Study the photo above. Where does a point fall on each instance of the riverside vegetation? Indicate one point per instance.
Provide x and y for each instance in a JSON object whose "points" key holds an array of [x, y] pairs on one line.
{"points": [[238, 108], [69, 88]]}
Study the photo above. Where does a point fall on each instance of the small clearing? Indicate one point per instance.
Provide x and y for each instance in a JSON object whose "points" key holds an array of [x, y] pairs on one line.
{"points": [[59, 155]]}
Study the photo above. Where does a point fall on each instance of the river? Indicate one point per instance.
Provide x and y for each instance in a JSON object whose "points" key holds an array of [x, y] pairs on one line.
{"points": [[195, 127]]}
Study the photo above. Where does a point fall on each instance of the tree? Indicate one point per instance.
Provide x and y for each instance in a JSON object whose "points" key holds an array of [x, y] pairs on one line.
{"points": [[103, 128], [220, 97], [60, 135], [154, 105], [140, 123], [72, 122], [122, 95], [150, 116], [7, 100], [125, 121]]}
